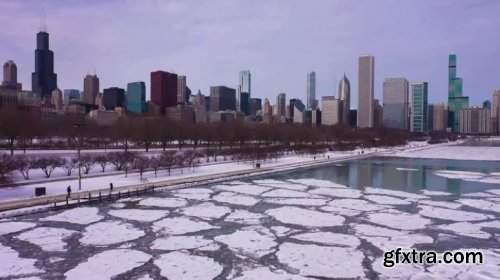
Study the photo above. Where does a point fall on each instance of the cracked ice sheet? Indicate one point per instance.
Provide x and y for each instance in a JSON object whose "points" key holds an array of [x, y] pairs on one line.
{"points": [[317, 183], [281, 184], [245, 217], [206, 210], [466, 229], [399, 220], [180, 225], [444, 204], [281, 231], [398, 271], [193, 193], [347, 193], [435, 193], [489, 269], [139, 215], [320, 261], [387, 239], [107, 264], [450, 214], [234, 198], [169, 202], [329, 238], [174, 243], [181, 265], [12, 265], [249, 242], [357, 204], [304, 217], [408, 195], [297, 201], [387, 200], [341, 211], [47, 238], [478, 195], [266, 273], [481, 204], [80, 215], [11, 227], [245, 189], [288, 193], [111, 232]]}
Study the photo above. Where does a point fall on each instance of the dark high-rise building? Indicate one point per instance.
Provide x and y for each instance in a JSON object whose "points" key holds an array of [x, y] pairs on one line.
{"points": [[353, 117], [10, 76], [113, 97], [222, 98], [456, 101], [90, 88], [255, 105], [163, 90], [245, 103], [43, 80]]}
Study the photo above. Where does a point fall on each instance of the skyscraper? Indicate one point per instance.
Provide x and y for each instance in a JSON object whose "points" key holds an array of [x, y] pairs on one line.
{"points": [[280, 104], [90, 88], [366, 76], [113, 97], [222, 98], [181, 89], [475, 120], [377, 113], [10, 76], [495, 110], [395, 112], [311, 90], [419, 107], [345, 97], [70, 94], [136, 97], [245, 85], [245, 103], [456, 101], [43, 80], [331, 110], [255, 105], [163, 90], [440, 117], [56, 99]]}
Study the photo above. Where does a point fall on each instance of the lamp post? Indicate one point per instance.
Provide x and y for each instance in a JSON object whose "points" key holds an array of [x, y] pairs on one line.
{"points": [[78, 126]]}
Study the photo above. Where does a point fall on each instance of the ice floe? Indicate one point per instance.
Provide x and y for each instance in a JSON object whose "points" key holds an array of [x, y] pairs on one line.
{"points": [[47, 238], [297, 201], [244, 217], [380, 191], [286, 193], [341, 211], [406, 169], [281, 185], [266, 273], [110, 232], [444, 204], [357, 204], [398, 271], [174, 243], [479, 195], [388, 239], [181, 265], [281, 231], [108, 264], [12, 265], [329, 238], [387, 200], [494, 191], [11, 227], [451, 214], [248, 242], [305, 217], [489, 269], [234, 198], [180, 225], [466, 229], [118, 205], [79, 215], [245, 189], [400, 220], [435, 193], [317, 183], [347, 193], [168, 202], [139, 215], [206, 210], [456, 174], [491, 224], [193, 193], [481, 204], [322, 261]]}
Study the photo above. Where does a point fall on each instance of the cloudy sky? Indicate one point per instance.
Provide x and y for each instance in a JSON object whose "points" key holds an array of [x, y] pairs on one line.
{"points": [[278, 41]]}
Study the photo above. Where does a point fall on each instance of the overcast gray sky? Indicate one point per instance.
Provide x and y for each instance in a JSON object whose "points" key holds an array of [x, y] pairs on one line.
{"points": [[278, 41]]}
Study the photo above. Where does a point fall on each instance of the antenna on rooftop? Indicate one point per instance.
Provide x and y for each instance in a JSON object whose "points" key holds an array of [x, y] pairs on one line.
{"points": [[43, 24]]}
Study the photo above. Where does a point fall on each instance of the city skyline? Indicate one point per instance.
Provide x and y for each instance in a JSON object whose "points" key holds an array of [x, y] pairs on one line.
{"points": [[277, 67]]}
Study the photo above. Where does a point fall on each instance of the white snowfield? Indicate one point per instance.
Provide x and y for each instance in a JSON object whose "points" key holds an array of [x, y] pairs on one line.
{"points": [[451, 151], [262, 229]]}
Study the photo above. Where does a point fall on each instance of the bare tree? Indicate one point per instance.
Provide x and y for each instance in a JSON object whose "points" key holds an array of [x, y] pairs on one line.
{"points": [[169, 160], [128, 162], [24, 164], [7, 165], [192, 158], [70, 165], [141, 163], [180, 161], [102, 161], [87, 162], [116, 159], [156, 163], [48, 164]]}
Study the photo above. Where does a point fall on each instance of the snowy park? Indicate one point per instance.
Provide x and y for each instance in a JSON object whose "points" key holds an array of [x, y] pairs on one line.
{"points": [[255, 229]]}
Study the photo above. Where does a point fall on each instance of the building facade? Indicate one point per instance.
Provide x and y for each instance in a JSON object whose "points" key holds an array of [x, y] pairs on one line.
{"points": [[10, 76], [331, 110], [345, 97], [395, 94], [280, 105], [255, 106], [495, 111], [475, 120], [136, 97], [43, 80], [163, 90], [90, 88], [70, 94], [56, 99], [419, 116], [456, 101], [311, 90], [112, 98], [222, 98], [440, 117], [244, 86], [181, 89], [366, 77]]}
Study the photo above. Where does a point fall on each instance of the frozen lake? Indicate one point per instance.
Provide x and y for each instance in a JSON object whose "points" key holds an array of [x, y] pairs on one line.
{"points": [[326, 222]]}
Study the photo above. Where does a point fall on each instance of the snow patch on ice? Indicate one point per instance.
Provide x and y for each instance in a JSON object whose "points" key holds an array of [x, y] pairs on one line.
{"points": [[329, 238], [180, 225], [139, 215], [304, 217], [47, 238], [181, 265], [174, 243], [12, 265], [169, 202], [110, 232], [11, 227], [234, 198], [107, 264], [79, 215], [118, 205], [451, 214], [206, 210]]}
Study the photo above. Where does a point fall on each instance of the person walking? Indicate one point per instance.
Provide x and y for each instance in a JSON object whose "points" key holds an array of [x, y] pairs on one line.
{"points": [[68, 189], [110, 187]]}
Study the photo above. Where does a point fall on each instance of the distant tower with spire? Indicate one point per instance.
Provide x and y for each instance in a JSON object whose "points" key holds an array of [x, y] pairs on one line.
{"points": [[345, 97], [43, 80]]}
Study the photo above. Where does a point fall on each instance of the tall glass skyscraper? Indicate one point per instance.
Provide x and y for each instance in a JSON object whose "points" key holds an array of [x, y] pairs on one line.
{"points": [[136, 97], [345, 97], [456, 101], [419, 114], [395, 112], [43, 80], [245, 85], [311, 90]]}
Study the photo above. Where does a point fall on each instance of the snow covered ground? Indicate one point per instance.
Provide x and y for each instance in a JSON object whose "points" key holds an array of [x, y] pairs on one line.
{"points": [[260, 229], [451, 151]]}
